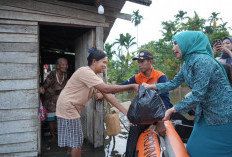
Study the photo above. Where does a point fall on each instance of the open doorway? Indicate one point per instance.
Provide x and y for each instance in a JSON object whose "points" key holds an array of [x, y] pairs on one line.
{"points": [[55, 42]]}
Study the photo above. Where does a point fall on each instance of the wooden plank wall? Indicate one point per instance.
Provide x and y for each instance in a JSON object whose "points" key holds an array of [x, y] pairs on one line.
{"points": [[51, 11], [19, 55], [19, 120]]}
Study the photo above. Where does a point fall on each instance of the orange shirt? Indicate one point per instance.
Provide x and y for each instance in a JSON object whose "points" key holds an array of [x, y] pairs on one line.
{"points": [[154, 77]]}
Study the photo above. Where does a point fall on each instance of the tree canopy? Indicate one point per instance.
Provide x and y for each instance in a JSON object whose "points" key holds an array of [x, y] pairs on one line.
{"points": [[121, 67]]}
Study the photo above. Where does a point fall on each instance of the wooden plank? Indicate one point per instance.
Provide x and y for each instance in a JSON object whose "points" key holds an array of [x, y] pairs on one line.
{"points": [[18, 22], [4, 7], [8, 127], [99, 105], [18, 71], [6, 85], [18, 57], [74, 5], [19, 147], [23, 154], [82, 45], [22, 29], [98, 124], [45, 7], [99, 38], [6, 14], [5, 37], [122, 16], [23, 99], [19, 47], [89, 121], [20, 137], [112, 12], [18, 114]]}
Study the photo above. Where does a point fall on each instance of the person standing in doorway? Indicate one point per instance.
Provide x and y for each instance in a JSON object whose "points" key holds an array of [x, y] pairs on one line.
{"points": [[54, 83]]}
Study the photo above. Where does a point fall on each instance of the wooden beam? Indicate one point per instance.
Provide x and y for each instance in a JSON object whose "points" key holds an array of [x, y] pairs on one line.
{"points": [[98, 121], [17, 15], [142, 2], [9, 85], [18, 57], [56, 9], [119, 15], [21, 29], [22, 154], [19, 47], [19, 22], [8, 127], [18, 71], [6, 37], [19, 147], [18, 137]]}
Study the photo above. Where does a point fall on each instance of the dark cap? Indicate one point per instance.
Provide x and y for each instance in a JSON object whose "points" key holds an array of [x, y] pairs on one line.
{"points": [[145, 54]]}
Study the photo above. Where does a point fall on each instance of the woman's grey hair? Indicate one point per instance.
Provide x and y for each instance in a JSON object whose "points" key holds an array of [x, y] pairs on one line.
{"points": [[58, 61]]}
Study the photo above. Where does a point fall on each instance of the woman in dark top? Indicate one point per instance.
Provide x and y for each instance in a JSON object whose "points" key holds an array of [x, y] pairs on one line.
{"points": [[54, 83]]}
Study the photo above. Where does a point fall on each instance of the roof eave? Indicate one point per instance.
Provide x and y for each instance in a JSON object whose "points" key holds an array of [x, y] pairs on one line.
{"points": [[142, 2]]}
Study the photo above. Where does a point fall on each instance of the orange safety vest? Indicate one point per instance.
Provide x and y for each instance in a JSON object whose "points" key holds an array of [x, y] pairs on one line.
{"points": [[154, 77]]}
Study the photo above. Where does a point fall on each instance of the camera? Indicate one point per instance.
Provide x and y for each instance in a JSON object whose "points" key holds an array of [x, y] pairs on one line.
{"points": [[217, 42]]}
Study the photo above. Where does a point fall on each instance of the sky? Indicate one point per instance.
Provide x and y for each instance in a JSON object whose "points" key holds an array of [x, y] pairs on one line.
{"points": [[164, 10]]}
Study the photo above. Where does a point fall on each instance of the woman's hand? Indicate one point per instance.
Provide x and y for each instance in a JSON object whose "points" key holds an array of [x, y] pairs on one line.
{"points": [[168, 113], [223, 48], [153, 86], [215, 49], [136, 87], [41, 90], [98, 96], [160, 128]]}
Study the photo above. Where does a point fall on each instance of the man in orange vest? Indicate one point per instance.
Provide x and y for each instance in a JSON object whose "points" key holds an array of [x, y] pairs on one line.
{"points": [[150, 76]]}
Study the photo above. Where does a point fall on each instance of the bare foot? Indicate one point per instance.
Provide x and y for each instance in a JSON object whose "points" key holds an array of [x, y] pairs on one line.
{"points": [[69, 151]]}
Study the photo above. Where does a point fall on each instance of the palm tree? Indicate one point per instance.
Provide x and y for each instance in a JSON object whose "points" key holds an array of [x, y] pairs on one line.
{"points": [[181, 15], [110, 65], [136, 19], [128, 42], [121, 42], [109, 51], [170, 29], [213, 19]]}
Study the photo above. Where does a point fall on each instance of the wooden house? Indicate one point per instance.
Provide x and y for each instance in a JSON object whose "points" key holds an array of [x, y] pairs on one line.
{"points": [[31, 34]]}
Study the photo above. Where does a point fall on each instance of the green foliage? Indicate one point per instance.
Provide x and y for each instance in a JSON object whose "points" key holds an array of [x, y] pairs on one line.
{"points": [[121, 67], [136, 18]]}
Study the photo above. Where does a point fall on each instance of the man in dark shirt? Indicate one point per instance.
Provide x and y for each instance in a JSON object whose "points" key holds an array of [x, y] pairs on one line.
{"points": [[150, 76]]}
